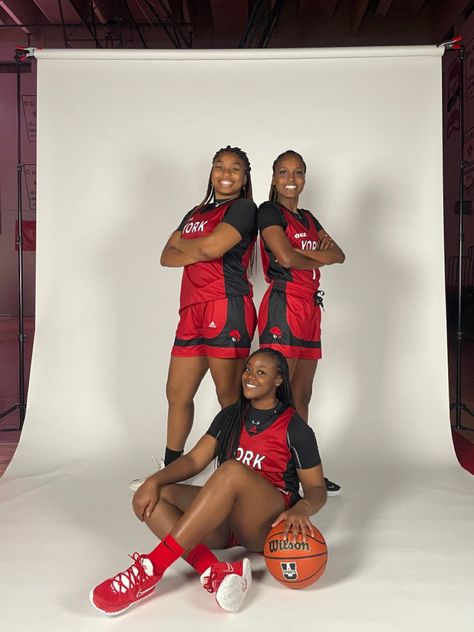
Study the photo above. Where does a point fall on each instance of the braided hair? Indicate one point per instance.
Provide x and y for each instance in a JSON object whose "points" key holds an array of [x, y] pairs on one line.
{"points": [[234, 416], [272, 196], [246, 191]]}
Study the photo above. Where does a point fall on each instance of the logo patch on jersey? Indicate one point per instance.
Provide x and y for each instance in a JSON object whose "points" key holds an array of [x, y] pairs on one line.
{"points": [[299, 235], [276, 333], [235, 335], [289, 570], [212, 325]]}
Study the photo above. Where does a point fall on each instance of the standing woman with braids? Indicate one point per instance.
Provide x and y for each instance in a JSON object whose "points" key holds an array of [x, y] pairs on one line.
{"points": [[213, 244], [294, 246], [264, 451]]}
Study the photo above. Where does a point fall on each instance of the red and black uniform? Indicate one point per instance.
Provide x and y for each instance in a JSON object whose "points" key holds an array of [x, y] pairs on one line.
{"points": [[289, 317], [217, 315], [275, 443]]}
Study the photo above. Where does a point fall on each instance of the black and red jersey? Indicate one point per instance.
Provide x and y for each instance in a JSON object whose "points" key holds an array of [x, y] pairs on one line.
{"points": [[274, 443], [226, 276], [302, 231]]}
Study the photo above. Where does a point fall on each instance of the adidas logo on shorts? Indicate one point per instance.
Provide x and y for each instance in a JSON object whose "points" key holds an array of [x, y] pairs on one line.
{"points": [[212, 325]]}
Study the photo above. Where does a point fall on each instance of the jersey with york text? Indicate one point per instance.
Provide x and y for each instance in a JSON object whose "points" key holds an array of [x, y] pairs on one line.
{"points": [[302, 231], [226, 276], [275, 444]]}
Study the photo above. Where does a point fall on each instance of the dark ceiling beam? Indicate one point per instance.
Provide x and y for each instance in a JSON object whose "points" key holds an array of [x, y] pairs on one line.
{"points": [[445, 15], [23, 12], [201, 17], [229, 17], [358, 11], [89, 19], [309, 10], [383, 8]]}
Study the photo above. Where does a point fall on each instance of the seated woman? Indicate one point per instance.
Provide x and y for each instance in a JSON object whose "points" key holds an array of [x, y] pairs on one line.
{"points": [[264, 451]]}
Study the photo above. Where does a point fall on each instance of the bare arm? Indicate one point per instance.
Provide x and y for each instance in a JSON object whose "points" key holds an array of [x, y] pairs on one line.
{"points": [[287, 256], [328, 252], [172, 257], [148, 494], [315, 495], [221, 240]]}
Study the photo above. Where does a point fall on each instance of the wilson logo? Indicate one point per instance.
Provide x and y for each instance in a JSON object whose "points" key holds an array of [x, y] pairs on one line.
{"points": [[284, 545]]}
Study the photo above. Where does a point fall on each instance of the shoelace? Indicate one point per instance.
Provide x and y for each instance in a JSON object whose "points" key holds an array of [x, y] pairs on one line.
{"points": [[122, 582], [216, 575]]}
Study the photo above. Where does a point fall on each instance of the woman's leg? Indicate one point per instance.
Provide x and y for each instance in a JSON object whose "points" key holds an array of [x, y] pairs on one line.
{"points": [[184, 377], [174, 501], [302, 376], [234, 496], [226, 374]]}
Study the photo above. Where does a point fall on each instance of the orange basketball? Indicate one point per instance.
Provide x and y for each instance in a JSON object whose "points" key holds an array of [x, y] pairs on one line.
{"points": [[295, 565]]}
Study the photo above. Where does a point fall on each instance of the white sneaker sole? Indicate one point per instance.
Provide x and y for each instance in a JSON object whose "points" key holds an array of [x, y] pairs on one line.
{"points": [[234, 588]]}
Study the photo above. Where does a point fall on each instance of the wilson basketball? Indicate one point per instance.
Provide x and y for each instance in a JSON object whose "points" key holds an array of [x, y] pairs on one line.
{"points": [[296, 565]]}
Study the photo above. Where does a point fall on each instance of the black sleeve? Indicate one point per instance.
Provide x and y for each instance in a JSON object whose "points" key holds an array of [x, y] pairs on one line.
{"points": [[303, 444], [185, 219], [269, 215], [242, 216], [216, 426], [318, 225]]}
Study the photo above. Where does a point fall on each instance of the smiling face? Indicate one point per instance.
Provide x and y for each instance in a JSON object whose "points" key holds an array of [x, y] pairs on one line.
{"points": [[228, 176], [260, 380], [289, 180]]}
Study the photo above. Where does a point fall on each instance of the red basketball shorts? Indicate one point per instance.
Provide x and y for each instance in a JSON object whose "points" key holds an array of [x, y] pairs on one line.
{"points": [[290, 324], [218, 329]]}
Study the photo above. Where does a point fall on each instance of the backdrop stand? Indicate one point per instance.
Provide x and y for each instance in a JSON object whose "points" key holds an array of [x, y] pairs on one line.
{"points": [[20, 55], [459, 405]]}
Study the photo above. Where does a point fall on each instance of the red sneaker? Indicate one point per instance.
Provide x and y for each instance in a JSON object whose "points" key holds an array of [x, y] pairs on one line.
{"points": [[230, 582], [116, 594]]}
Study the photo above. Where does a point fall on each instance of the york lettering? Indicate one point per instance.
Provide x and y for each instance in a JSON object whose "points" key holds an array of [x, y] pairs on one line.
{"points": [[309, 245], [249, 458], [285, 545], [195, 227]]}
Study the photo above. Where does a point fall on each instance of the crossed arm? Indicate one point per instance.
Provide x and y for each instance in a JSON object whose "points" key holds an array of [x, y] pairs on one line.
{"points": [[289, 257], [180, 252]]}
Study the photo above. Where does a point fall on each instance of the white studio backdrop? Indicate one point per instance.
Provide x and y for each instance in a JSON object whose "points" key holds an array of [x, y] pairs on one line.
{"points": [[125, 141]]}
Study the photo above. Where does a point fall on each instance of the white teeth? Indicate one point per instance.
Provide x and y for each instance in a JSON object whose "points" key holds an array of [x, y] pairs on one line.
{"points": [[251, 385], [290, 186], [226, 182]]}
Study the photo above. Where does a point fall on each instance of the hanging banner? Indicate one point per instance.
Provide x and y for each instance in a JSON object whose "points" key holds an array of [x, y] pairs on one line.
{"points": [[469, 66], [453, 84], [30, 177], [28, 233], [29, 110], [469, 158]]}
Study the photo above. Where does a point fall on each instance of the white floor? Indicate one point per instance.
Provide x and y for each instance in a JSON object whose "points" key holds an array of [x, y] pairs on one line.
{"points": [[401, 557]]}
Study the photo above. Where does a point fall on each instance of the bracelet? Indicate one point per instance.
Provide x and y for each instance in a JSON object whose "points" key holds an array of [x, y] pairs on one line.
{"points": [[302, 500]]}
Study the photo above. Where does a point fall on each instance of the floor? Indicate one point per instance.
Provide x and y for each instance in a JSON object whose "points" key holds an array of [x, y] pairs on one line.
{"points": [[9, 395]]}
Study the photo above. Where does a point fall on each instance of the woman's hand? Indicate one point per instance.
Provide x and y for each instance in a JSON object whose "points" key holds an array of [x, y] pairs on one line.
{"points": [[297, 521], [146, 498]]}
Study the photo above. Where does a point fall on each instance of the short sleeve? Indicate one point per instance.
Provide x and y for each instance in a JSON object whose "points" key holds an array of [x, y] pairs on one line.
{"points": [[185, 219], [242, 216], [303, 444], [269, 215], [216, 426]]}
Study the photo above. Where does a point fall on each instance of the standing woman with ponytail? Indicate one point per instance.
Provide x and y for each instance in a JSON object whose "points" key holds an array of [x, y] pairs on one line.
{"points": [[213, 244], [264, 451], [294, 246]]}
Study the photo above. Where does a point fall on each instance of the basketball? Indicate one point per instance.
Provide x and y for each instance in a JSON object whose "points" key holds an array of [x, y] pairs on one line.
{"points": [[296, 565]]}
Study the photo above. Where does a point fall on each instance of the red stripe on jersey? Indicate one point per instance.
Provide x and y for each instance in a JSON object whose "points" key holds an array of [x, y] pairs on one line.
{"points": [[220, 278], [267, 452], [300, 282]]}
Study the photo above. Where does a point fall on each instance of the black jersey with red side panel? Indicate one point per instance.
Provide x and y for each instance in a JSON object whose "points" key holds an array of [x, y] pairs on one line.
{"points": [[226, 276], [302, 231], [274, 443]]}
